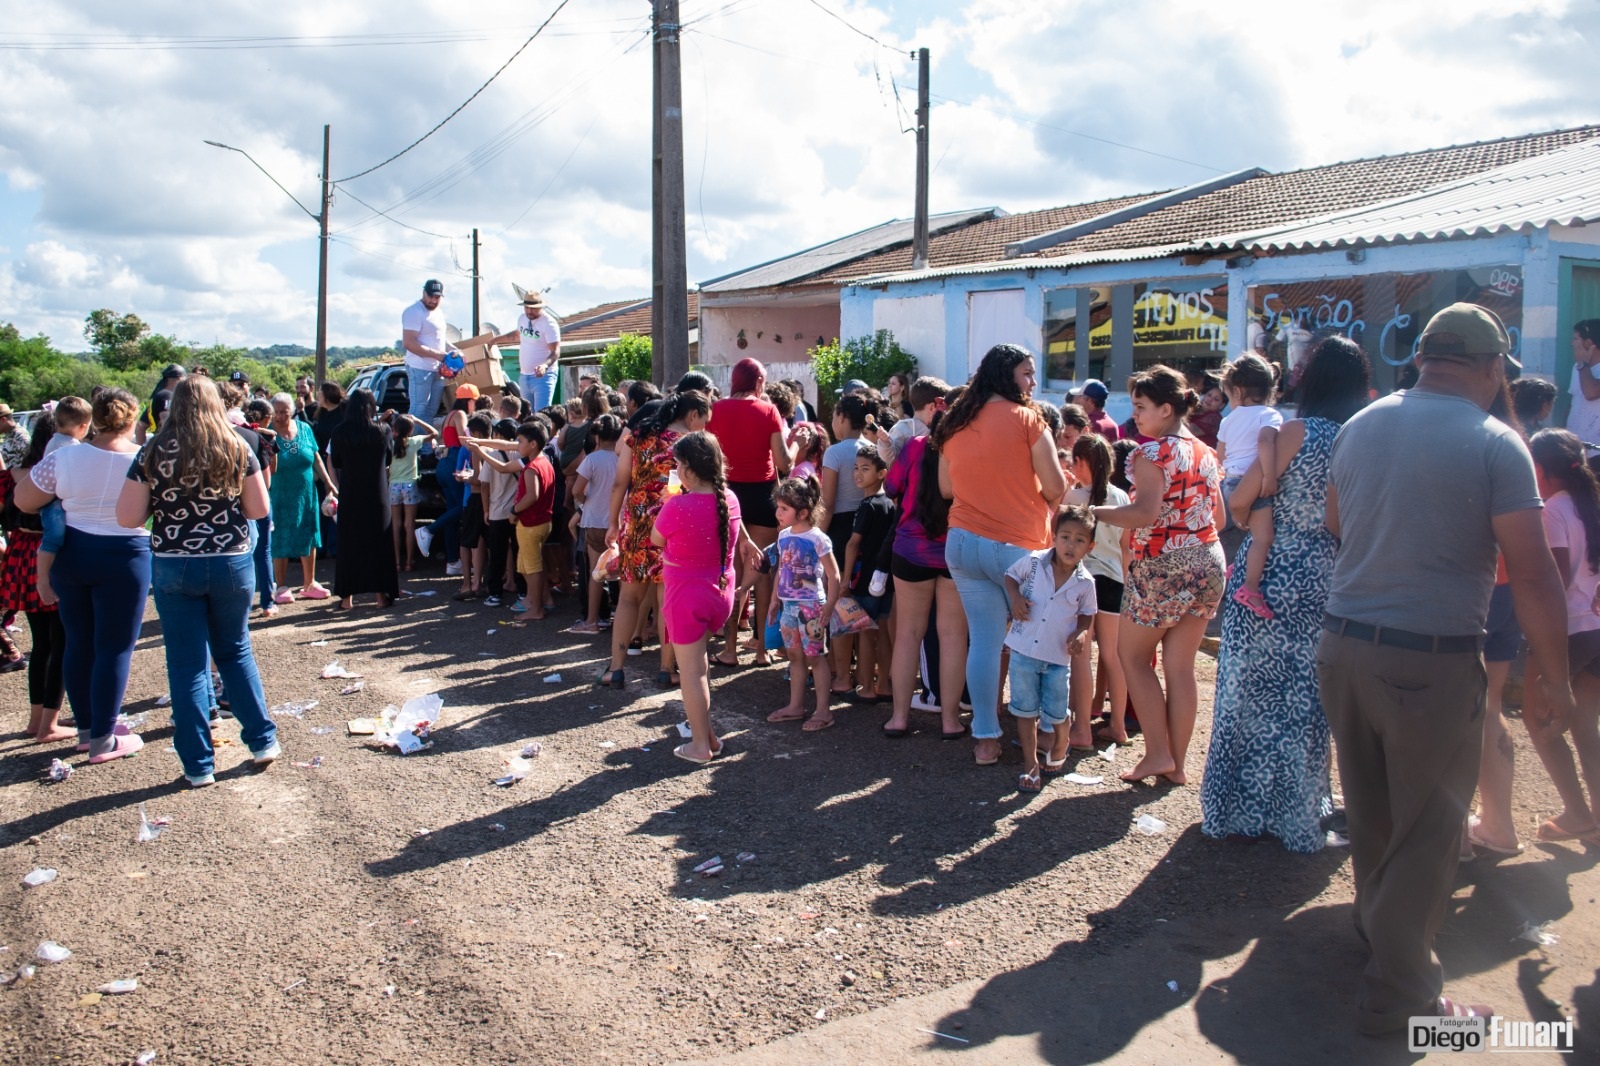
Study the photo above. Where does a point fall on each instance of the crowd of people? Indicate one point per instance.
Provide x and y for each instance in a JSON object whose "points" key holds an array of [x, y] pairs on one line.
{"points": [[968, 553]]}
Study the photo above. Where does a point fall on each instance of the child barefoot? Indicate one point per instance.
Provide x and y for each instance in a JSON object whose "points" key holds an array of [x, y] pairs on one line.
{"points": [[1052, 610], [697, 530], [1258, 520], [1572, 526], [1249, 384], [802, 603]]}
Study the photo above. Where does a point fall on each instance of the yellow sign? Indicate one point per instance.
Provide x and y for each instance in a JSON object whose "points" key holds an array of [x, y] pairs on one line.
{"points": [[1162, 319]]}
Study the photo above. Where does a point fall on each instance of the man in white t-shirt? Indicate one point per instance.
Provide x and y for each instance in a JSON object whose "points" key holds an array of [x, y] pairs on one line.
{"points": [[539, 339], [423, 336], [1584, 417]]}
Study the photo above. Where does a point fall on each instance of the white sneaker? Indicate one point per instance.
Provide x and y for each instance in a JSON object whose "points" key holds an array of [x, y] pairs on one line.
{"points": [[424, 541], [267, 755], [923, 702], [452, 569], [200, 782]]}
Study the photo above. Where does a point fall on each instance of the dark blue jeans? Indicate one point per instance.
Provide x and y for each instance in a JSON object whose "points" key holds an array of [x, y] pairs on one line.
{"points": [[261, 537], [455, 502], [101, 582], [204, 604]]}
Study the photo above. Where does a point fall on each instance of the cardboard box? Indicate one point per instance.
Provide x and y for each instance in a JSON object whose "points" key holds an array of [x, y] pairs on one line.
{"points": [[482, 368]]}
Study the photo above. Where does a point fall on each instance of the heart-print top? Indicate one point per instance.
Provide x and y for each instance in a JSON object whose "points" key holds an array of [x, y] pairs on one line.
{"points": [[191, 520]]}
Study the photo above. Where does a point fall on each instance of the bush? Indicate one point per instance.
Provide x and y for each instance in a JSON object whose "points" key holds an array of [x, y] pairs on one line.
{"points": [[872, 359], [629, 359]]}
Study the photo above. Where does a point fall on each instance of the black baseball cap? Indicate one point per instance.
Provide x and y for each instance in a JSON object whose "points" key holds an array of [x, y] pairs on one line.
{"points": [[173, 370], [239, 377], [433, 287]]}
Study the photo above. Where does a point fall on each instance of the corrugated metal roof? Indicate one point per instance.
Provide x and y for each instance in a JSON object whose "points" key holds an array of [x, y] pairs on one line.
{"points": [[1559, 188], [834, 253], [1056, 262]]}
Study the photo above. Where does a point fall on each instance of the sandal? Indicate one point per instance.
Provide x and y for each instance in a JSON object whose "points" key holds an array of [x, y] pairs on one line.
{"points": [[813, 726], [1256, 602], [1550, 832], [1029, 782], [1049, 768], [122, 745], [1477, 841], [682, 752]]}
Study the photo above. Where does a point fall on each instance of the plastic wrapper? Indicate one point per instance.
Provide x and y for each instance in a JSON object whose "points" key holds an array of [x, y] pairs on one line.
{"points": [[333, 670], [296, 709], [59, 771], [409, 727], [50, 951], [1150, 826], [119, 988], [849, 616], [150, 829], [41, 876]]}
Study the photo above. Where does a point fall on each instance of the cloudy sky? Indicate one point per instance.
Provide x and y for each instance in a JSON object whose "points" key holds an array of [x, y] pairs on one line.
{"points": [[795, 114]]}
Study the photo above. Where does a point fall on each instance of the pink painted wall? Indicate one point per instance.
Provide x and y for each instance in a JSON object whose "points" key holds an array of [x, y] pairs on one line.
{"points": [[798, 328]]}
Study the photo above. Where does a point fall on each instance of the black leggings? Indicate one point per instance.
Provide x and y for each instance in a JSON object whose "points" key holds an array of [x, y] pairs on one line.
{"points": [[44, 668]]}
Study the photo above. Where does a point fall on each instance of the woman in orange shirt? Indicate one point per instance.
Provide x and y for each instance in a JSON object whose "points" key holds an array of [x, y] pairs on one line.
{"points": [[997, 462]]}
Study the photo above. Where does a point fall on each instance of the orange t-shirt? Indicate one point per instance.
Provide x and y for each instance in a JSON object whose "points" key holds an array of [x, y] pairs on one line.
{"points": [[991, 470]]}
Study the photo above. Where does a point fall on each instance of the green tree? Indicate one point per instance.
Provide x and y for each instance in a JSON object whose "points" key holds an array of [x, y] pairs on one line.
{"points": [[872, 359], [116, 339], [629, 359]]}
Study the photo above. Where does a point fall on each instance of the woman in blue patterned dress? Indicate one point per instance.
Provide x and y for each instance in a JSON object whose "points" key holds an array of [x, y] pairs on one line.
{"points": [[1268, 768]]}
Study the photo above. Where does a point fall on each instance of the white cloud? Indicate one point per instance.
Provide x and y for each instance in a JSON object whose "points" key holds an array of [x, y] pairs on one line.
{"points": [[793, 134]]}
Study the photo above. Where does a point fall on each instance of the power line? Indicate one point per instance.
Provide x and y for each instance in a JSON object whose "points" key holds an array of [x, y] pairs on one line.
{"points": [[1075, 133], [396, 221], [465, 102], [847, 24], [507, 228]]}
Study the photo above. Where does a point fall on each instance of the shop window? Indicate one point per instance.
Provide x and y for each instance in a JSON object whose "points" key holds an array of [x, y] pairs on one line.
{"points": [[1183, 324], [1384, 313]]}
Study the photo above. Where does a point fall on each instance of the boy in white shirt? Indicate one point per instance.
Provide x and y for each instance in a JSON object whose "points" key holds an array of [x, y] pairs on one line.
{"points": [[1249, 434], [1052, 609]]}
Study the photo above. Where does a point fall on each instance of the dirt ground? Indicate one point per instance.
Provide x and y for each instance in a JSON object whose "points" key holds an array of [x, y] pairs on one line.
{"points": [[388, 909]]}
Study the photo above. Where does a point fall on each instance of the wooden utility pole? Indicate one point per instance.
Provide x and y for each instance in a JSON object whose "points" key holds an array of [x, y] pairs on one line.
{"points": [[322, 264], [919, 233], [474, 281], [669, 309]]}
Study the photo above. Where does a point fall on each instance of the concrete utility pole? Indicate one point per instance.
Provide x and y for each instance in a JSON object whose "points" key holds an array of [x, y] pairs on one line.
{"points": [[669, 310], [474, 281], [919, 233], [322, 262]]}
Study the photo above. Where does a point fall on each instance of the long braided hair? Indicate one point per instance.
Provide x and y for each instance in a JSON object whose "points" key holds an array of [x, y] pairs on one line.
{"points": [[702, 455]]}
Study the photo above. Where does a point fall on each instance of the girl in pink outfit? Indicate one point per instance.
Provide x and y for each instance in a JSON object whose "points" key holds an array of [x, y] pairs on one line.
{"points": [[698, 531]]}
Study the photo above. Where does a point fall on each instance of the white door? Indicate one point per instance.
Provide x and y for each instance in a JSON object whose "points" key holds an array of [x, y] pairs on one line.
{"points": [[997, 317]]}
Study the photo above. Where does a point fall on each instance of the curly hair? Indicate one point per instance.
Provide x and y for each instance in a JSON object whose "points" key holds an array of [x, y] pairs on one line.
{"points": [[996, 376], [702, 455]]}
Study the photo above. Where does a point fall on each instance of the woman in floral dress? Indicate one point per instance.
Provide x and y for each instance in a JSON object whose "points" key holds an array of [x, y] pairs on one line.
{"points": [[646, 453]]}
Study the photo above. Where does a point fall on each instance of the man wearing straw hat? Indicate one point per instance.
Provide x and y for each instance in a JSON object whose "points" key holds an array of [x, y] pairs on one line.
{"points": [[539, 339]]}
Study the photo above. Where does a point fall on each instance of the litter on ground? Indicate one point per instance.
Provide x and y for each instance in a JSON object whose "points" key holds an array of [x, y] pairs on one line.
{"points": [[1150, 826], [50, 951], [294, 709], [333, 669], [40, 876]]}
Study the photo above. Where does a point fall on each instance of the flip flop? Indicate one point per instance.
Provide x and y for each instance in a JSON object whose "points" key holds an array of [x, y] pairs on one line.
{"points": [[964, 731], [1551, 833], [776, 718], [1479, 842], [812, 726], [1052, 769], [896, 734], [1029, 782], [123, 745], [681, 751]]}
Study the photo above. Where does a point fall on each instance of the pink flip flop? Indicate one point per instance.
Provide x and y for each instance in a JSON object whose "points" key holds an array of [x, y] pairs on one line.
{"points": [[125, 745], [1255, 601]]}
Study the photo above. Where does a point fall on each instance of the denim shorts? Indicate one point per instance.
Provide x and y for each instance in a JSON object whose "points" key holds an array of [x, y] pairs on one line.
{"points": [[403, 492], [1500, 646], [1040, 690]]}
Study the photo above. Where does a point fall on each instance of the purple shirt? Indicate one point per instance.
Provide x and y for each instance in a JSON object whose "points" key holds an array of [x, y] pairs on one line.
{"points": [[911, 540]]}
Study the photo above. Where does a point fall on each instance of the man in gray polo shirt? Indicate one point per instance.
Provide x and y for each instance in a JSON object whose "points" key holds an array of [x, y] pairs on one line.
{"points": [[1425, 486]]}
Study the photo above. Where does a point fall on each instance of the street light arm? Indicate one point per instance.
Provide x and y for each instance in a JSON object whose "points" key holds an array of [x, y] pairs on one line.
{"points": [[218, 144]]}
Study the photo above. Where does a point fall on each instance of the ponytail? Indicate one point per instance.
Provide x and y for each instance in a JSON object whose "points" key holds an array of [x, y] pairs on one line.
{"points": [[1560, 455]]}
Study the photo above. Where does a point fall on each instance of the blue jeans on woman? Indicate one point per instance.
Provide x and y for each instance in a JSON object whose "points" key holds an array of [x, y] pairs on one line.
{"points": [[261, 539], [204, 604], [101, 582], [978, 565], [455, 502]]}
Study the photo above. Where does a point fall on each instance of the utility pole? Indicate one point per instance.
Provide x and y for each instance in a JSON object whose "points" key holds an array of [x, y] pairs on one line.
{"points": [[322, 263], [474, 281], [669, 310], [919, 232]]}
